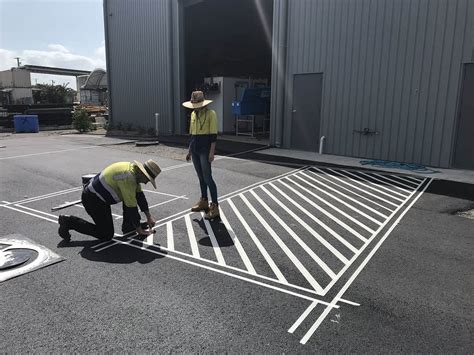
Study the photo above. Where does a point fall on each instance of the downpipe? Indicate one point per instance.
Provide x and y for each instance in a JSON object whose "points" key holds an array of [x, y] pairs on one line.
{"points": [[321, 144]]}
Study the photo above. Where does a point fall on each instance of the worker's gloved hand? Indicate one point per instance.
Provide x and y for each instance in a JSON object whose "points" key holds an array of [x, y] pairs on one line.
{"points": [[141, 231], [151, 221]]}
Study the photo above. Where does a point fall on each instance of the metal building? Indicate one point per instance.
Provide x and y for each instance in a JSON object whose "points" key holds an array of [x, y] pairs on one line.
{"points": [[379, 79]]}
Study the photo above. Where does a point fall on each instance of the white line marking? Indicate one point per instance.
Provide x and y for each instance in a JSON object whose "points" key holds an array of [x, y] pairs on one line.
{"points": [[302, 317], [349, 302], [306, 248], [169, 236], [346, 196], [410, 178], [28, 213], [43, 197], [107, 246], [214, 242], [360, 224], [192, 237], [358, 188], [165, 194], [149, 239], [337, 220], [238, 245], [414, 184], [43, 153], [37, 211], [385, 183], [369, 183], [315, 234], [395, 182], [319, 222], [283, 246], [101, 244], [339, 200], [259, 245], [361, 266], [228, 273], [159, 204]]}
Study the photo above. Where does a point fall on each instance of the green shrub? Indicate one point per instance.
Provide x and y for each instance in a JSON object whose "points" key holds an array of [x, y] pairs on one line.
{"points": [[81, 121]]}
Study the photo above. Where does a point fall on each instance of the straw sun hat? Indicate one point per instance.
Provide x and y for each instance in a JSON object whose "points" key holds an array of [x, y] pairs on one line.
{"points": [[197, 100]]}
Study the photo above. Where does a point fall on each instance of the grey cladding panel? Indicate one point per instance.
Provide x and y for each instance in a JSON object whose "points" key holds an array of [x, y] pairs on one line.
{"points": [[393, 66]]}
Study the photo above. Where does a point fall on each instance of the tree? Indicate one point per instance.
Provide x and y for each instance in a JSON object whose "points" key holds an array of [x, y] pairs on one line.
{"points": [[81, 120], [52, 94]]}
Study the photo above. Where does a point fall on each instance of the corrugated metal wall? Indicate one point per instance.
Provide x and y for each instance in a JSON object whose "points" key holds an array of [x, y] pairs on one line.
{"points": [[139, 63], [393, 66]]}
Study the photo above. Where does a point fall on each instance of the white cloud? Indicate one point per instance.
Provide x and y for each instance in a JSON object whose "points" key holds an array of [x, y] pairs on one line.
{"points": [[56, 55]]}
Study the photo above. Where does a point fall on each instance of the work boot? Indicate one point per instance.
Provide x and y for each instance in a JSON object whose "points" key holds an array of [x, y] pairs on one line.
{"points": [[63, 229], [201, 205], [213, 211]]}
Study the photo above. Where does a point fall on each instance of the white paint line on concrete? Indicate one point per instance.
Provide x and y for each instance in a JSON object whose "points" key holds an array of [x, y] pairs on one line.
{"points": [[341, 292], [192, 236], [227, 273], [358, 188], [37, 211], [101, 244], [43, 153], [301, 243], [43, 197], [315, 234], [302, 269], [302, 317], [326, 176], [159, 204], [364, 205], [370, 183], [112, 243], [371, 176], [259, 245], [165, 194], [169, 236], [349, 302], [238, 245], [398, 178], [396, 183], [413, 179], [348, 205], [349, 217], [214, 242], [28, 213], [315, 205]]}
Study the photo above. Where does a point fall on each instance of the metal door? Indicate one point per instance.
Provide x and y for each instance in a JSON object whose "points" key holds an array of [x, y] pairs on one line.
{"points": [[306, 111], [464, 149]]}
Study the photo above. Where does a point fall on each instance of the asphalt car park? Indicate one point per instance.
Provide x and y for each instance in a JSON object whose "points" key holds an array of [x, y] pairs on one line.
{"points": [[304, 258]]}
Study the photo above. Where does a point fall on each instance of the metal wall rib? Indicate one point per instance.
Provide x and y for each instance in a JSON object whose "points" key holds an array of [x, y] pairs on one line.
{"points": [[139, 62], [393, 66]]}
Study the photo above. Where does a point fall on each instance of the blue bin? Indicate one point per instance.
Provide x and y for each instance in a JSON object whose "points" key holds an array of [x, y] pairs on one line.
{"points": [[26, 123]]}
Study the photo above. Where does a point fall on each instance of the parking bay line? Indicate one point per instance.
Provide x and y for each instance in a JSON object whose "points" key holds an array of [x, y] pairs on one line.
{"points": [[341, 292]]}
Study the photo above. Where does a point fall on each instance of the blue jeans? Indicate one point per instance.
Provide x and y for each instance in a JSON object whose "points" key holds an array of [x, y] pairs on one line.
{"points": [[204, 173]]}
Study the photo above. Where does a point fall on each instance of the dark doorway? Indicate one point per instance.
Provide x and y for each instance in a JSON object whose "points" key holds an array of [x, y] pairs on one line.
{"points": [[464, 149], [306, 111]]}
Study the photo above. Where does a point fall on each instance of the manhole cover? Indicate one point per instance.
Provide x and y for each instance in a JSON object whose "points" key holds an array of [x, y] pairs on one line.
{"points": [[14, 257]]}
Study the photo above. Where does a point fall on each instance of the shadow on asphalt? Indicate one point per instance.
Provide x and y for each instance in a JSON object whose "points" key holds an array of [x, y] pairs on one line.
{"points": [[220, 232], [115, 254]]}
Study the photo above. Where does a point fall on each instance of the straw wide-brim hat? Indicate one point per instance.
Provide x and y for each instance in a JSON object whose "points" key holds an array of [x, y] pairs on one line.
{"points": [[197, 100], [150, 169]]}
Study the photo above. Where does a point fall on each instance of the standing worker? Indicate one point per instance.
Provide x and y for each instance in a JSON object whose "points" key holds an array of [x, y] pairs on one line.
{"points": [[119, 182], [203, 130]]}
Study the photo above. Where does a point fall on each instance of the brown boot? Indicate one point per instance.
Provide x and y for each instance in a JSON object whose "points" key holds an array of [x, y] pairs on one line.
{"points": [[213, 211], [201, 205]]}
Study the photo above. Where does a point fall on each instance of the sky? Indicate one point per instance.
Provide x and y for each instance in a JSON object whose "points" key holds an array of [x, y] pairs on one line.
{"points": [[57, 33]]}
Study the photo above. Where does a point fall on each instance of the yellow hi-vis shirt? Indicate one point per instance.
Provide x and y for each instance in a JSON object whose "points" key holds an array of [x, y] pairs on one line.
{"points": [[116, 183], [203, 129]]}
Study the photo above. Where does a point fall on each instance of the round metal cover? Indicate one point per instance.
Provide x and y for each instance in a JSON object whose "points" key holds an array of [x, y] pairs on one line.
{"points": [[14, 257]]}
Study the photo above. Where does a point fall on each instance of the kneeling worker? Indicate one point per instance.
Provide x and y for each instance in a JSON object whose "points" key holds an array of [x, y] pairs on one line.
{"points": [[119, 182]]}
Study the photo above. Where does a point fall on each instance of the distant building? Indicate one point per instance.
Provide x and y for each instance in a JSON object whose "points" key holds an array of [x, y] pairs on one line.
{"points": [[15, 87], [390, 80], [92, 88]]}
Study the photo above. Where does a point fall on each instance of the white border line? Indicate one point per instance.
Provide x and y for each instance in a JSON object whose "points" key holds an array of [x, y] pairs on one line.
{"points": [[361, 266]]}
